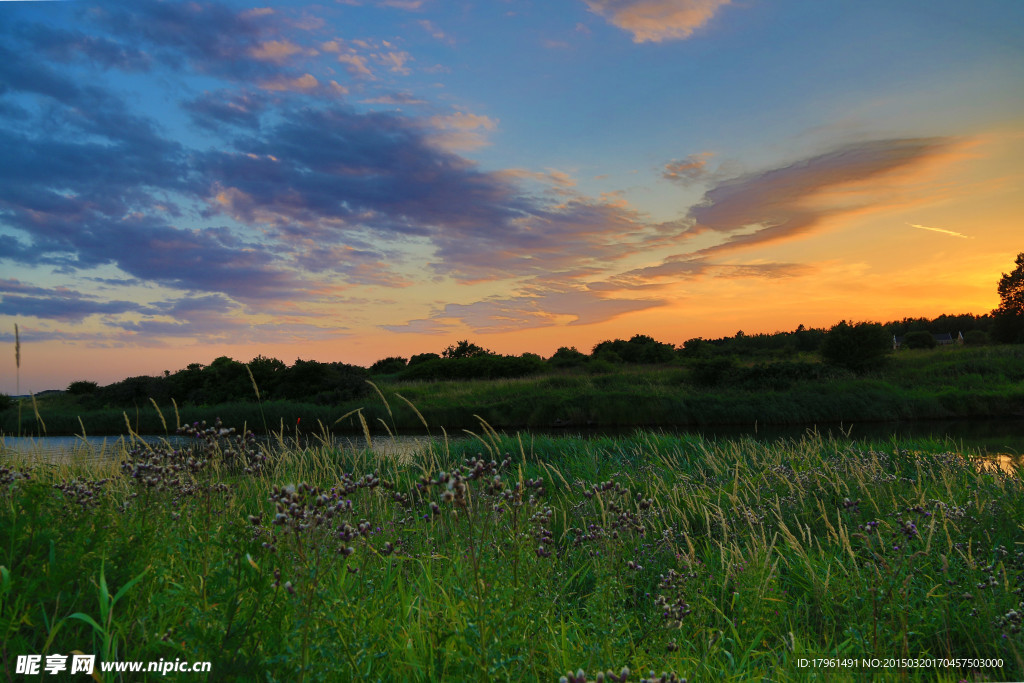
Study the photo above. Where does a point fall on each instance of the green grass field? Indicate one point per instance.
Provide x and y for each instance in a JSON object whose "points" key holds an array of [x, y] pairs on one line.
{"points": [[956, 382], [499, 559]]}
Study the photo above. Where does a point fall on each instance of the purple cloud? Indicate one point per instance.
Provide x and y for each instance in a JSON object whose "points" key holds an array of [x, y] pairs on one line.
{"points": [[774, 202], [61, 303]]}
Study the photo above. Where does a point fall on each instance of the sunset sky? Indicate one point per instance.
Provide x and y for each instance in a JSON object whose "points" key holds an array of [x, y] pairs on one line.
{"points": [[356, 179]]}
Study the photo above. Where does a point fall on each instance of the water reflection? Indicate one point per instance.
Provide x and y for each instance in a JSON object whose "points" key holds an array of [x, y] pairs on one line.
{"points": [[1001, 442]]}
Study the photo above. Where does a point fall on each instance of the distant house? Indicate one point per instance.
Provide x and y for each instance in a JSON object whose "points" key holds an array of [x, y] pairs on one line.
{"points": [[941, 339]]}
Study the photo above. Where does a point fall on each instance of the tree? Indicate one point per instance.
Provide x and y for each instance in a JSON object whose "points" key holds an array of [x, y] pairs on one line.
{"points": [[465, 349], [1008, 323], [1011, 288], [861, 347]]}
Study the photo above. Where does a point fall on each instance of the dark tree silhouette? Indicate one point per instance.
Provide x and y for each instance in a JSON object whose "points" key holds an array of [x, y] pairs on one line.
{"points": [[861, 347], [466, 349], [1011, 288], [1008, 324]]}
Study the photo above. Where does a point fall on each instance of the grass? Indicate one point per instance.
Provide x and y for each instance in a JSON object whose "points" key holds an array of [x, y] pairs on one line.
{"points": [[501, 558], [958, 382]]}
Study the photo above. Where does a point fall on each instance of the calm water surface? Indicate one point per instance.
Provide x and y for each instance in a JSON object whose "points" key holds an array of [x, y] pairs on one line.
{"points": [[1000, 440]]}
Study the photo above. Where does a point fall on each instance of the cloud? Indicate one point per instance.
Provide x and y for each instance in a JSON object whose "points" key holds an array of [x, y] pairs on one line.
{"points": [[657, 20], [402, 4], [89, 182], [681, 268], [419, 326], [396, 98], [357, 56], [60, 303], [210, 37], [689, 170], [436, 33], [276, 51], [542, 304], [212, 110], [461, 131], [356, 65], [303, 83], [939, 230], [215, 318], [66, 46], [395, 61], [792, 200], [357, 266]]}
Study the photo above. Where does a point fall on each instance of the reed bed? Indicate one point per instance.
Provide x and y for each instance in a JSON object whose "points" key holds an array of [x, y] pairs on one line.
{"points": [[645, 557]]}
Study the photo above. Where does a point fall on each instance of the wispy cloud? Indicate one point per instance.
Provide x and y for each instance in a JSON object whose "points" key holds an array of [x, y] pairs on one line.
{"points": [[792, 200], [939, 230], [689, 170], [461, 131], [657, 20], [541, 303]]}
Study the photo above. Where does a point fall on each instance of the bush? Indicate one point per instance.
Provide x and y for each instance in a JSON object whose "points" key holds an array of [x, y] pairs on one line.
{"points": [[711, 372], [323, 383], [600, 366], [860, 348], [567, 357], [423, 358], [919, 339], [778, 376], [388, 366], [475, 367], [976, 338], [639, 349], [82, 388]]}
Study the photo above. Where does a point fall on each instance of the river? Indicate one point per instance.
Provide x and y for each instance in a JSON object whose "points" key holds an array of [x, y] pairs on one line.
{"points": [[1002, 440]]}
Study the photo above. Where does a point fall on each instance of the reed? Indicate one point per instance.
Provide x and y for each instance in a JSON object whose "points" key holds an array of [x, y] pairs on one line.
{"points": [[518, 557]]}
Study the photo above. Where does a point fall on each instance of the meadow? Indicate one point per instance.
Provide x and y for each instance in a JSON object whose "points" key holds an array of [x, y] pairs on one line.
{"points": [[950, 382], [644, 557]]}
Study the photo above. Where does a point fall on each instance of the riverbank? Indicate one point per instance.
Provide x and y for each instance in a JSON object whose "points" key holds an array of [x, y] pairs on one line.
{"points": [[948, 383]]}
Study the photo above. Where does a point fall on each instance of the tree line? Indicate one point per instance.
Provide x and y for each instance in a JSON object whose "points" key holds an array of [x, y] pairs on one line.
{"points": [[755, 360]]}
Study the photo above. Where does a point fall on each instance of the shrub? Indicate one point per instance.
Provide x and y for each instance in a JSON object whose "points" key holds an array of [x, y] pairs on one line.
{"points": [[861, 347], [388, 366], [600, 366], [777, 376], [710, 372], [919, 339], [568, 357], [976, 338], [423, 358], [82, 388], [639, 349], [475, 367]]}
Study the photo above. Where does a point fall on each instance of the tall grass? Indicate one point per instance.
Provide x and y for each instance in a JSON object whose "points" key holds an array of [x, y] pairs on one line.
{"points": [[517, 558]]}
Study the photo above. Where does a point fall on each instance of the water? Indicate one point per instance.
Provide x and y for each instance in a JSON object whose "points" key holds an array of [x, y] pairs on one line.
{"points": [[1002, 441], [55, 449]]}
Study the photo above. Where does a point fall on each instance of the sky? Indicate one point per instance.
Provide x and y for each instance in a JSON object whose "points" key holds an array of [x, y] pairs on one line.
{"points": [[357, 179]]}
